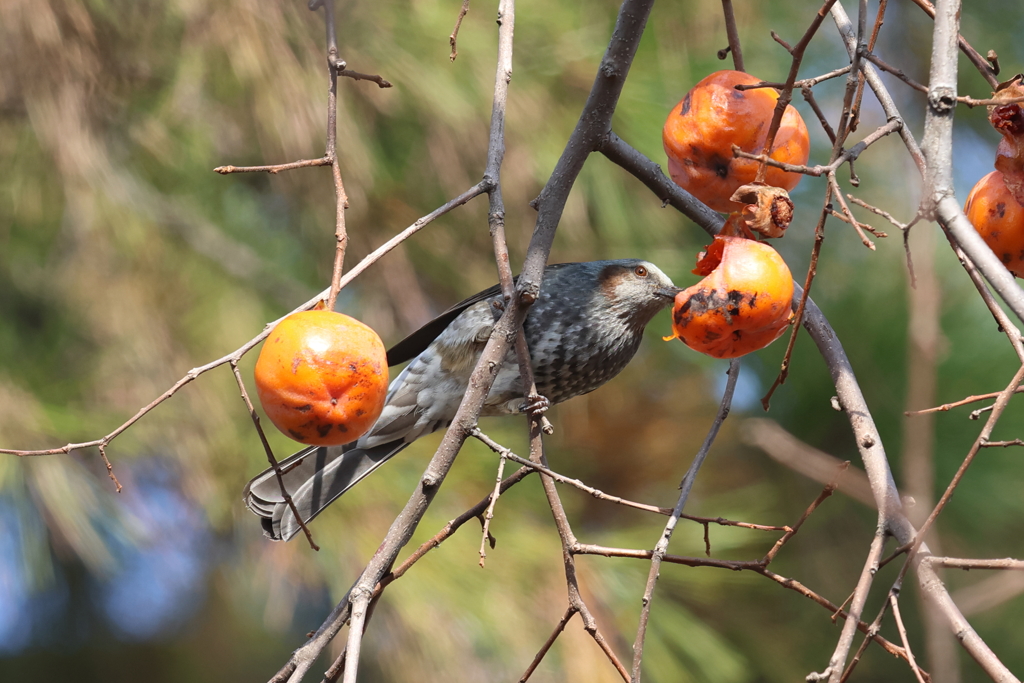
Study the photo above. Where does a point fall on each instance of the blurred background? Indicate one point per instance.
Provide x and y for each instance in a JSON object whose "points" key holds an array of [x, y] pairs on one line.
{"points": [[125, 261]]}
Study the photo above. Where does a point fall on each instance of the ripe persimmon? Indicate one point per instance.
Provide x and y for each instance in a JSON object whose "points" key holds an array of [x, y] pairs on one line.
{"points": [[743, 304], [322, 377], [999, 218], [701, 130]]}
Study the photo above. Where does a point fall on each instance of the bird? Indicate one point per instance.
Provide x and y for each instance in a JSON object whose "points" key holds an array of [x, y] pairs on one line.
{"points": [[582, 330]]}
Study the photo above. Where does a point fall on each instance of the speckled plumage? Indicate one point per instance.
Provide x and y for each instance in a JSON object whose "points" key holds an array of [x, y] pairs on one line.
{"points": [[584, 328]]}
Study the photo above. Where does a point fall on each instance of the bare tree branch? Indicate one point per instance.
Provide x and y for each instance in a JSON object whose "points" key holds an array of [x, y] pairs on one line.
{"points": [[661, 548], [733, 35]]}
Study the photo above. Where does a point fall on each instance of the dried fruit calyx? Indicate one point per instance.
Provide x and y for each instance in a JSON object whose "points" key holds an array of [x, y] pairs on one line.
{"points": [[766, 210]]}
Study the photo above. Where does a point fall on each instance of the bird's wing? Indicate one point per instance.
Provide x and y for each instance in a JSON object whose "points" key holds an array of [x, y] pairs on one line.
{"points": [[417, 342], [427, 393]]}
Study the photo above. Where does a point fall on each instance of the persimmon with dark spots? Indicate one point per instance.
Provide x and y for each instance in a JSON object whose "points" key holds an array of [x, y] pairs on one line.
{"points": [[701, 130], [322, 377], [743, 304], [999, 218]]}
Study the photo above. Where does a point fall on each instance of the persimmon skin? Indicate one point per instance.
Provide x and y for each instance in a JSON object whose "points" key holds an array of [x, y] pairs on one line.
{"points": [[999, 219], [322, 377], [743, 304], [700, 131], [1010, 162]]}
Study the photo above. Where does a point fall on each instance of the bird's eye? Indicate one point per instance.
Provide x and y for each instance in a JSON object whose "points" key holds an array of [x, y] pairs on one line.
{"points": [[640, 271]]}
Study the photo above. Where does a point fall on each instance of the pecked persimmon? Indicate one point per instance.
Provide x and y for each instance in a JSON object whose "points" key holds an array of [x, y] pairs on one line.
{"points": [[743, 304], [1008, 118], [999, 219], [701, 130], [322, 377]]}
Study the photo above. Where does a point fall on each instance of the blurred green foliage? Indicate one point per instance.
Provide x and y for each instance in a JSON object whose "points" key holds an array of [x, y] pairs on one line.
{"points": [[124, 262]]}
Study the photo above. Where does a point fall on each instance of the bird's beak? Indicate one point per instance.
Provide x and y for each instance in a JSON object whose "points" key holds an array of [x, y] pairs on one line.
{"points": [[668, 292]]}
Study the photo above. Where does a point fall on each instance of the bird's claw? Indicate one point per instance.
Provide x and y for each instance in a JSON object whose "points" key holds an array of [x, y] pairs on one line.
{"points": [[536, 405], [497, 308]]}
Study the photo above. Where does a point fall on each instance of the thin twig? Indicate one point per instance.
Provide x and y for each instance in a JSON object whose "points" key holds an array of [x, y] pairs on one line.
{"points": [[733, 565], [834, 670], [825, 125], [858, 99], [448, 530], [894, 601], [801, 307], [270, 454], [801, 83], [971, 102], [877, 211], [454, 37], [956, 404], [838, 194], [334, 65], [846, 218], [967, 564], [1002, 444], [273, 168], [876, 625], [568, 539], [786, 94], [862, 648], [846, 118], [997, 410], [601, 495], [356, 76], [489, 514], [565, 533], [661, 548], [849, 155], [825, 493], [596, 493], [1003, 320], [559, 627], [778, 39], [110, 468], [733, 35]]}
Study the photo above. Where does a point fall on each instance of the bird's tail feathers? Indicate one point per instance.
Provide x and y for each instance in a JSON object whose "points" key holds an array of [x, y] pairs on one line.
{"points": [[314, 478]]}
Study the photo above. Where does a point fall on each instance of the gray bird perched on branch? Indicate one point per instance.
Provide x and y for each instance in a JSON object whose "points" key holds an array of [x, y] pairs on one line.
{"points": [[583, 329]]}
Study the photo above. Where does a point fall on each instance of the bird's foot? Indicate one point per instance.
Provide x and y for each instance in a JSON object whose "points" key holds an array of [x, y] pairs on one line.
{"points": [[536, 405], [497, 308]]}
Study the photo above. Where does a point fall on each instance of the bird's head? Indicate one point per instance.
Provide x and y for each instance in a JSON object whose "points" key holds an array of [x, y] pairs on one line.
{"points": [[636, 288]]}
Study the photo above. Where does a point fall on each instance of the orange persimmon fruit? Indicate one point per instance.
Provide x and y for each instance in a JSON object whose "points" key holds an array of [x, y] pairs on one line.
{"points": [[322, 377], [701, 130], [999, 218], [743, 304]]}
